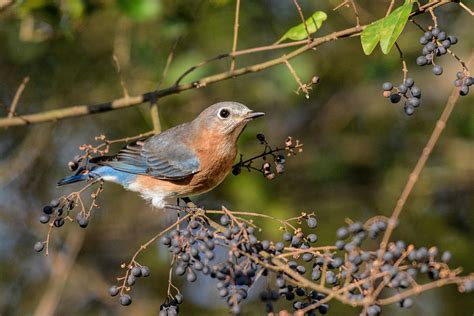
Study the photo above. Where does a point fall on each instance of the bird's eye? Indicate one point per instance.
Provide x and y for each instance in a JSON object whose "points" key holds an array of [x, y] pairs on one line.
{"points": [[224, 113]]}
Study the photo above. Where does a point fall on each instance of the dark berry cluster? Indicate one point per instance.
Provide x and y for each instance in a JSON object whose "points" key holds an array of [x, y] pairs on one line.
{"points": [[406, 90], [131, 276], [435, 43], [171, 308], [291, 148], [294, 261], [54, 214], [401, 261], [301, 297], [60, 210], [193, 247], [463, 81]]}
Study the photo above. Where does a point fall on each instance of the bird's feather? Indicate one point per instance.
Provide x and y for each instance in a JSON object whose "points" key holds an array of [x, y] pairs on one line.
{"points": [[163, 156]]}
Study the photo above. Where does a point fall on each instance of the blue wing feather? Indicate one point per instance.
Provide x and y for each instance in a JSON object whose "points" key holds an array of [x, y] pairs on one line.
{"points": [[162, 156]]}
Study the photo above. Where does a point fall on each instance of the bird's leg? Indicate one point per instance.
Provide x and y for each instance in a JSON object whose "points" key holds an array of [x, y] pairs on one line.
{"points": [[188, 202], [193, 207]]}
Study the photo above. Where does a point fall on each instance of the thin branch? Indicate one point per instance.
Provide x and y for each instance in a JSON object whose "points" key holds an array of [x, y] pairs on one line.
{"points": [[283, 222], [413, 178], [133, 261], [302, 86], [390, 7], [347, 4], [236, 33], [423, 288], [154, 110], [121, 103], [465, 7], [302, 18], [155, 117], [119, 72], [433, 17], [356, 12], [170, 276], [169, 60], [16, 98], [404, 64], [241, 53], [201, 64]]}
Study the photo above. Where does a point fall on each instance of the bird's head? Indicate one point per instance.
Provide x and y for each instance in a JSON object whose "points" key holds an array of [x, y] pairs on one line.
{"points": [[227, 118]]}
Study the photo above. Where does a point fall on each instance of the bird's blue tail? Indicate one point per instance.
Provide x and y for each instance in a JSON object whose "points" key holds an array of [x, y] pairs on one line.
{"points": [[99, 172], [82, 175]]}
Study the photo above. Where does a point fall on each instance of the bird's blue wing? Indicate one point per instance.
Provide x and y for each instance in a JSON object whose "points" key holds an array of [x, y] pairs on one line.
{"points": [[161, 156]]}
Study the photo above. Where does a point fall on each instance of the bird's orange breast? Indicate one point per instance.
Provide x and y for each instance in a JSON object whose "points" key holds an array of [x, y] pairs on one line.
{"points": [[216, 155]]}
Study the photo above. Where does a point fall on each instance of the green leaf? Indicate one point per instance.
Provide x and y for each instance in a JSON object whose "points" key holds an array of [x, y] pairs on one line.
{"points": [[313, 24], [140, 10], [371, 36], [393, 26]]}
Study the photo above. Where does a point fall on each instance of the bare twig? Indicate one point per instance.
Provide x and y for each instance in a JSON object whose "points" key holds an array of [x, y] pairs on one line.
{"points": [[236, 33], [123, 287], [302, 86], [356, 12], [252, 214], [16, 98], [154, 110], [169, 60], [465, 7], [302, 18], [404, 64], [155, 117], [390, 7], [433, 17], [350, 3], [423, 288], [119, 72], [82, 110], [73, 198]]}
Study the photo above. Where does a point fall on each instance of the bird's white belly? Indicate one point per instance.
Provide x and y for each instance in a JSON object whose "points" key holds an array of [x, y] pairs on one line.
{"points": [[158, 198]]}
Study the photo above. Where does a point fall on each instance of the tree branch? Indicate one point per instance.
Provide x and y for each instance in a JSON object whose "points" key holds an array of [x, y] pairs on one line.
{"points": [[154, 110], [125, 102], [16, 99], [236, 33]]}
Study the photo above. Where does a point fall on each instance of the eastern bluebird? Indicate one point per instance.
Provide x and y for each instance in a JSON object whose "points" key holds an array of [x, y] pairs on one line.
{"points": [[188, 159]]}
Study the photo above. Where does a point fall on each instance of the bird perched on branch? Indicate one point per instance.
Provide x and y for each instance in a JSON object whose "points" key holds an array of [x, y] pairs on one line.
{"points": [[186, 160]]}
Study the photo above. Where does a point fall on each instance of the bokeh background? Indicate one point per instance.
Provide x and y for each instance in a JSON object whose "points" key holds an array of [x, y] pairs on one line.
{"points": [[359, 148]]}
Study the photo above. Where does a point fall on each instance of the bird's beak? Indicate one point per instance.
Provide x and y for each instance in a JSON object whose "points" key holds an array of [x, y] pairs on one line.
{"points": [[253, 115]]}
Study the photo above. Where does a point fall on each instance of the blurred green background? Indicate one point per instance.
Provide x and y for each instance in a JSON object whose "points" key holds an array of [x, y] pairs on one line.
{"points": [[359, 148]]}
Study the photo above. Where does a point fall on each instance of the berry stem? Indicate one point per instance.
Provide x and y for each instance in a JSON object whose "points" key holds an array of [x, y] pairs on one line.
{"points": [[404, 64]]}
